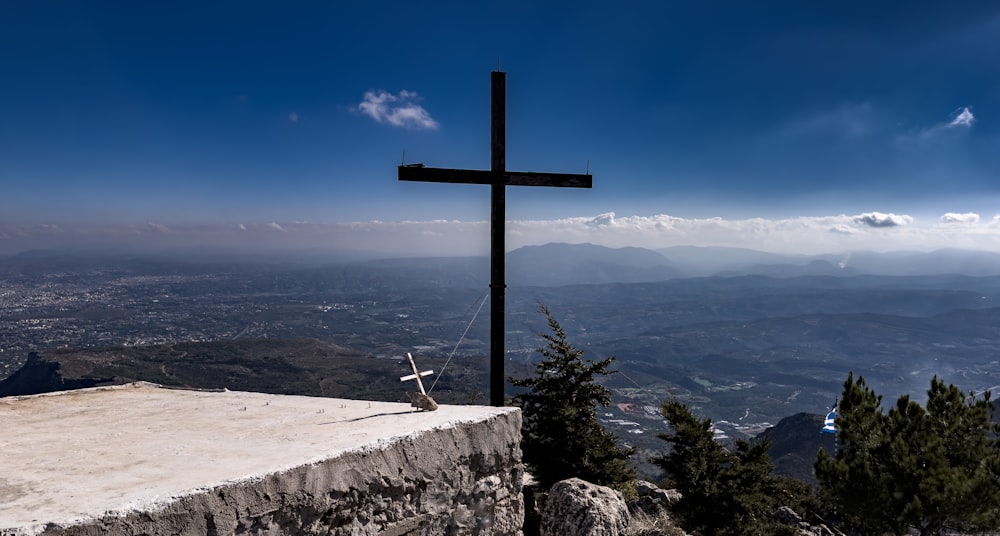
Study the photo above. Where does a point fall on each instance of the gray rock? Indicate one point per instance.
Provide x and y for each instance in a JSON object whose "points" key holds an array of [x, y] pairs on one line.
{"points": [[787, 516], [652, 500], [575, 507], [422, 401]]}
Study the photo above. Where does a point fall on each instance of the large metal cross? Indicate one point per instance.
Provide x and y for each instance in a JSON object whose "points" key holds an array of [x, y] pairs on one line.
{"points": [[498, 178]]}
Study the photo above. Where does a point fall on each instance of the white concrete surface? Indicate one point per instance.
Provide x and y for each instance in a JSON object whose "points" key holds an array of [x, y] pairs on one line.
{"points": [[76, 455]]}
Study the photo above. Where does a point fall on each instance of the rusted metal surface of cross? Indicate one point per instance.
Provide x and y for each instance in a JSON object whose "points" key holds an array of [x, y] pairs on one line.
{"points": [[498, 178]]}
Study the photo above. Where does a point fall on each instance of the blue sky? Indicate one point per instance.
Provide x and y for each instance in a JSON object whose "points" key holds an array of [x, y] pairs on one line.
{"points": [[774, 125]]}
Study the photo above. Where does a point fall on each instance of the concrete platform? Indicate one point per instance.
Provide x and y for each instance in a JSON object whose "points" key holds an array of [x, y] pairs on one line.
{"points": [[141, 459]]}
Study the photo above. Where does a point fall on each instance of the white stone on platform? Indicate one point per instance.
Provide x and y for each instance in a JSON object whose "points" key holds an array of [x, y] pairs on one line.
{"points": [[94, 457]]}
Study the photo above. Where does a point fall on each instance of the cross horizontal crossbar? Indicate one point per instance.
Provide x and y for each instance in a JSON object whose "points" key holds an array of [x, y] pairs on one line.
{"points": [[510, 178], [415, 376]]}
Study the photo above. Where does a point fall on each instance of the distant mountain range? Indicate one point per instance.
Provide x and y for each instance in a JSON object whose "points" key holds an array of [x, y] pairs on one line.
{"points": [[559, 264], [693, 261], [709, 261], [567, 264]]}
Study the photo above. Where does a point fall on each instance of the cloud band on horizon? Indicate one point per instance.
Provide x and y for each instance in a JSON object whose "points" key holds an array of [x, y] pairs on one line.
{"points": [[872, 231]]}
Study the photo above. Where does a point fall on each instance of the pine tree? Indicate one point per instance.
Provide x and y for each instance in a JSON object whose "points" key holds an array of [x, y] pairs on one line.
{"points": [[694, 465], [965, 488], [930, 469], [854, 482], [560, 435], [723, 492]]}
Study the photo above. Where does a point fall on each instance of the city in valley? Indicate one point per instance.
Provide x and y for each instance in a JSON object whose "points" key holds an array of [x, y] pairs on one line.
{"points": [[745, 347]]}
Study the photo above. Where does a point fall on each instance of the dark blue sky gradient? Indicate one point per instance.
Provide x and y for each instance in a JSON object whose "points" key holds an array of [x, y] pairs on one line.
{"points": [[247, 111]]}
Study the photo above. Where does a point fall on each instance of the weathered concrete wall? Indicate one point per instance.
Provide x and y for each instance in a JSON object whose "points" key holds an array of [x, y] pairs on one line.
{"points": [[461, 478]]}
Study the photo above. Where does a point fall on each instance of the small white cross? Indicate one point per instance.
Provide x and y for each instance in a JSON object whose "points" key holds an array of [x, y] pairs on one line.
{"points": [[416, 375]]}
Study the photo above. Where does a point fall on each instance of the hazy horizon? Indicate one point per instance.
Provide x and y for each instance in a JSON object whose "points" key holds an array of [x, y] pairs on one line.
{"points": [[874, 232]]}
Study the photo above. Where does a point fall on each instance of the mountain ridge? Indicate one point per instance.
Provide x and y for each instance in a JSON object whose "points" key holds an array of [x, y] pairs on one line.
{"points": [[555, 263]]}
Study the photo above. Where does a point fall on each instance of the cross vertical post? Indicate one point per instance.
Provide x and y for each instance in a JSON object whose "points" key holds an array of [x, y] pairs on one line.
{"points": [[498, 178], [498, 212]]}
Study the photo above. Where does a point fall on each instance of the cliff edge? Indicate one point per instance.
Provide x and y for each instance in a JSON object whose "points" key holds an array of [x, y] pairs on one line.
{"points": [[142, 459]]}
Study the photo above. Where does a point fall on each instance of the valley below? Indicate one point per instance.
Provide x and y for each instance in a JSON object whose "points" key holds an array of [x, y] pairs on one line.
{"points": [[744, 347]]}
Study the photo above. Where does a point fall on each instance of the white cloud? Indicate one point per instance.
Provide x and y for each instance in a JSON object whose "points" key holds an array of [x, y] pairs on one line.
{"points": [[293, 117], [966, 217], [963, 118], [606, 219], [799, 235], [878, 219], [842, 228], [399, 110]]}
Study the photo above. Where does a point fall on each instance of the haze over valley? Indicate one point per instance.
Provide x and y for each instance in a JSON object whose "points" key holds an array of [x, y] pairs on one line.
{"points": [[763, 338]]}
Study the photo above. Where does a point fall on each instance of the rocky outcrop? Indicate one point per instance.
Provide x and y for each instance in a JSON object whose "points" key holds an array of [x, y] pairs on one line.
{"points": [[579, 508], [653, 501], [575, 507], [795, 440], [787, 516]]}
